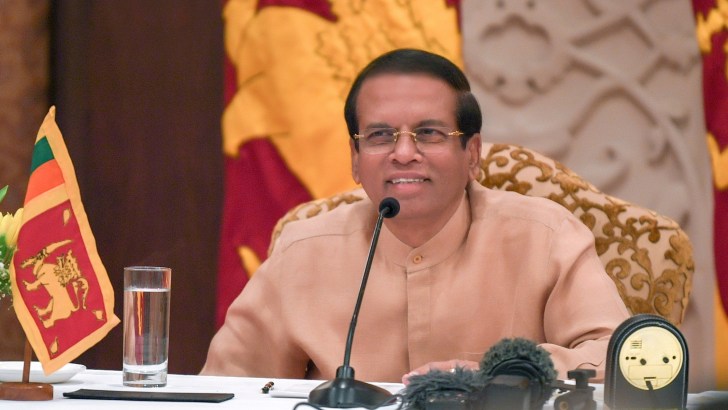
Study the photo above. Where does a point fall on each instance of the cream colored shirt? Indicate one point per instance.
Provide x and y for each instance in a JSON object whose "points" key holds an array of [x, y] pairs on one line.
{"points": [[505, 265]]}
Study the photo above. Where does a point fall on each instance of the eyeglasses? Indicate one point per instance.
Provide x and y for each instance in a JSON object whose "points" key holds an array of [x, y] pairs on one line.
{"points": [[382, 140]]}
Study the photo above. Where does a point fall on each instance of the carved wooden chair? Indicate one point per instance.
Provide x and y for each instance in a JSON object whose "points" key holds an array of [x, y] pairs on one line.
{"points": [[647, 255]]}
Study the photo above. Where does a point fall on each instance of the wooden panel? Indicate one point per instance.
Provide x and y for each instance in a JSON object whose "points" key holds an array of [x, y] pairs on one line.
{"points": [[23, 104], [138, 88]]}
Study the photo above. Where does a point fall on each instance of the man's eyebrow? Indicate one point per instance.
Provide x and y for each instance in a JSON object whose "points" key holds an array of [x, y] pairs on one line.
{"points": [[422, 123], [430, 123], [378, 125]]}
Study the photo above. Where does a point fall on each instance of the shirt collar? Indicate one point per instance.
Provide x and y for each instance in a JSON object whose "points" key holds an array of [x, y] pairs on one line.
{"points": [[434, 251]]}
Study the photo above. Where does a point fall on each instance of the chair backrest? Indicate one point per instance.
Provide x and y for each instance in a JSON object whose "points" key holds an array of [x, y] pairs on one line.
{"points": [[647, 255]]}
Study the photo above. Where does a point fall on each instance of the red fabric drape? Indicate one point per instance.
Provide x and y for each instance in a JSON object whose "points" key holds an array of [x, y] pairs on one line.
{"points": [[715, 95]]}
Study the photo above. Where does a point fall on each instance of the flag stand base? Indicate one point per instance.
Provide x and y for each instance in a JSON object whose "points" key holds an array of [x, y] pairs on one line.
{"points": [[26, 391]]}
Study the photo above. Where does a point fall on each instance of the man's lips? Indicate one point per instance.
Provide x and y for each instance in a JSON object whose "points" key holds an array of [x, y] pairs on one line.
{"points": [[396, 181]]}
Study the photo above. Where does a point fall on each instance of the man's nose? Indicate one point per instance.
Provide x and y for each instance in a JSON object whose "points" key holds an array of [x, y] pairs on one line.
{"points": [[405, 148]]}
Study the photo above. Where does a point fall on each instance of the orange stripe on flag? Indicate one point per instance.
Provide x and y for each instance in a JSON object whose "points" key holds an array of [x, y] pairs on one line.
{"points": [[44, 178]]}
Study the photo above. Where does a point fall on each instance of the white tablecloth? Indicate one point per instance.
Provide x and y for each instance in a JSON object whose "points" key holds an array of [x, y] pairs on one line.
{"points": [[247, 392]]}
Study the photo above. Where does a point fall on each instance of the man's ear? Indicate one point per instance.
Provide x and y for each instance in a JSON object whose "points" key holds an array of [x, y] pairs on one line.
{"points": [[473, 147], [354, 161]]}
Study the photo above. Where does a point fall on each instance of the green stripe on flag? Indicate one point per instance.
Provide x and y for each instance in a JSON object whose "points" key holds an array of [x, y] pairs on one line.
{"points": [[42, 153]]}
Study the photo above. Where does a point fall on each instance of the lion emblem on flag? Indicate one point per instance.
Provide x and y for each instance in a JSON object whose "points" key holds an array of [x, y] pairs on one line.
{"points": [[63, 281]]}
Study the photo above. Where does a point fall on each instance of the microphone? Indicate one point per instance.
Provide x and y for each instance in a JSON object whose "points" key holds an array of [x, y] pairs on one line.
{"points": [[514, 374], [389, 208], [511, 362], [344, 391]]}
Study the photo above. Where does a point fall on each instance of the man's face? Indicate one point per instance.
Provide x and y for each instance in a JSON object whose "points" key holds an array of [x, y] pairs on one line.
{"points": [[429, 186]]}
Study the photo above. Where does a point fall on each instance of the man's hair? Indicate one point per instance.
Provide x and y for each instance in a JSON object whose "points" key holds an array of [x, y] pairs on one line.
{"points": [[411, 61]]}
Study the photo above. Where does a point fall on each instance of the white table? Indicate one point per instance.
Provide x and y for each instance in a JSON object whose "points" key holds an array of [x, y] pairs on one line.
{"points": [[247, 392]]}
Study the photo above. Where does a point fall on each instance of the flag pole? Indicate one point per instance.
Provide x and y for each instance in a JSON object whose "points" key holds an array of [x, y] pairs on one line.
{"points": [[25, 390], [27, 356]]}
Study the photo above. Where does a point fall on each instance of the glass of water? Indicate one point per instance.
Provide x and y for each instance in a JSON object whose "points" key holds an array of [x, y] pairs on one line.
{"points": [[146, 325]]}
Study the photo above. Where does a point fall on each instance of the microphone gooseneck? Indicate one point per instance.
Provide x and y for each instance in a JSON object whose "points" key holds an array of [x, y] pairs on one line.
{"points": [[388, 208], [344, 391]]}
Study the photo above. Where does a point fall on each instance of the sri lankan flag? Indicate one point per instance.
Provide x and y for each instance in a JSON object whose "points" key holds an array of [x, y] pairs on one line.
{"points": [[712, 34], [61, 291], [289, 67]]}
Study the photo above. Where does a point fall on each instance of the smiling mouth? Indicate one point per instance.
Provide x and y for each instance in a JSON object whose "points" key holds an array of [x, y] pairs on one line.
{"points": [[407, 181]]}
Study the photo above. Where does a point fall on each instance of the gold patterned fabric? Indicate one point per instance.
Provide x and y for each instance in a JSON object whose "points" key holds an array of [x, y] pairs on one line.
{"points": [[647, 255]]}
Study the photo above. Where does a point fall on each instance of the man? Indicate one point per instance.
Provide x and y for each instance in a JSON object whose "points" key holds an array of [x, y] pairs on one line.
{"points": [[459, 268]]}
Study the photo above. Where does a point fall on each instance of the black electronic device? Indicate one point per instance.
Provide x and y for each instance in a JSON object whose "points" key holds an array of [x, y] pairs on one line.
{"points": [[344, 391], [514, 374], [647, 365], [579, 396]]}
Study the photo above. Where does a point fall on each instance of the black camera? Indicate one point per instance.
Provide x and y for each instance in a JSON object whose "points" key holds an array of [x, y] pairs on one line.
{"points": [[502, 392], [513, 392]]}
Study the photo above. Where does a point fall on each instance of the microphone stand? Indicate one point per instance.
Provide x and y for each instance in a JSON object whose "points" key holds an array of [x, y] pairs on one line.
{"points": [[344, 391]]}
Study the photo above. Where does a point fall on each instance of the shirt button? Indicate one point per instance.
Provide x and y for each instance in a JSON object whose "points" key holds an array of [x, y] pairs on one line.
{"points": [[417, 259]]}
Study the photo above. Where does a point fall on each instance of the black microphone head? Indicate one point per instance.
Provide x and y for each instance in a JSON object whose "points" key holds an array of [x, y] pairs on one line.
{"points": [[521, 357], [502, 357], [389, 207], [437, 386]]}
